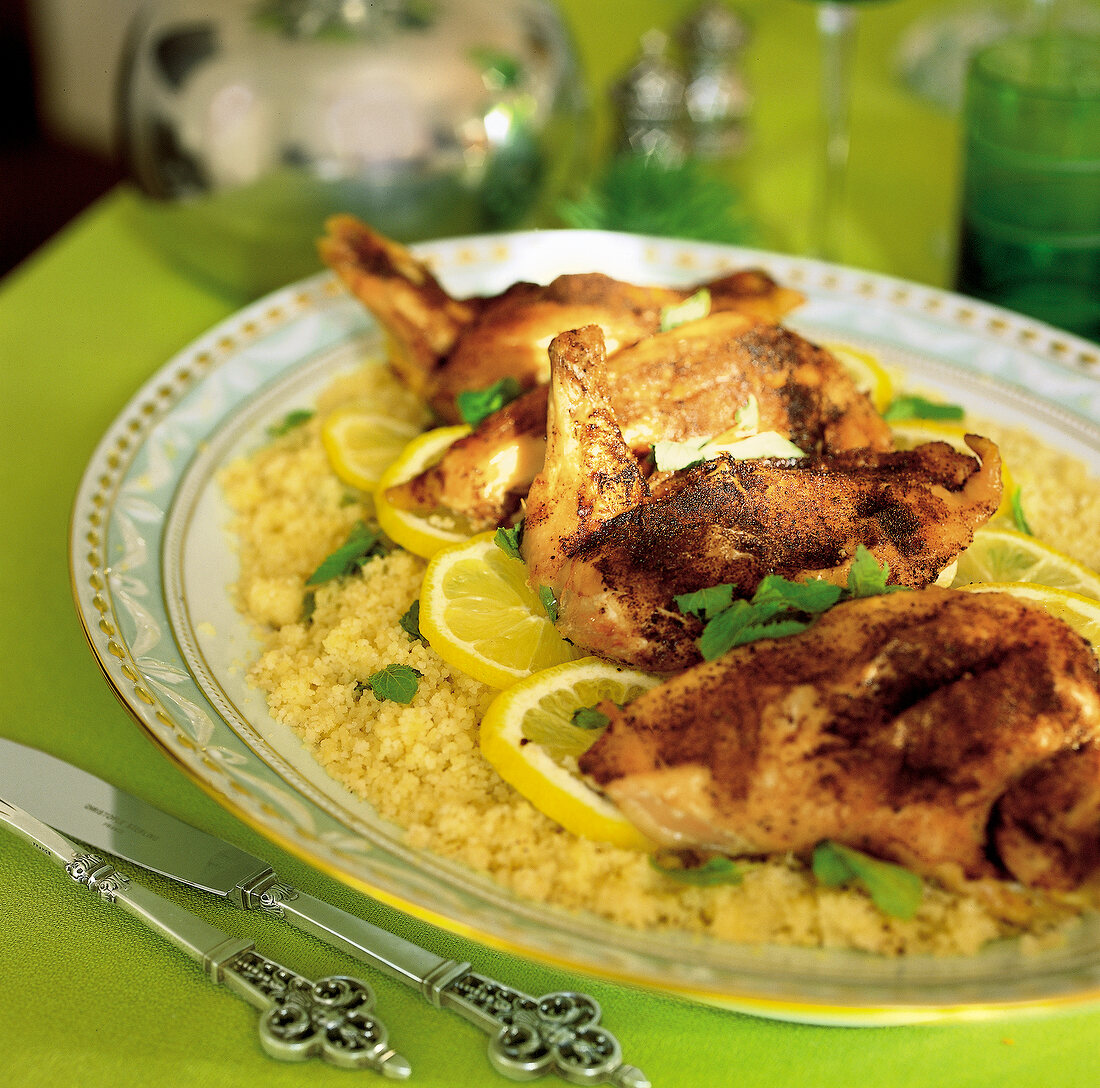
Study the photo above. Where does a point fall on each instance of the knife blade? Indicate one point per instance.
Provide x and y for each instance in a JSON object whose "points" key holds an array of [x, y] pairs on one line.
{"points": [[557, 1033], [331, 1018]]}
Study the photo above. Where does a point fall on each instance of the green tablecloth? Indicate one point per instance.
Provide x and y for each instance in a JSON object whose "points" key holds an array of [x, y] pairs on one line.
{"points": [[88, 996]]}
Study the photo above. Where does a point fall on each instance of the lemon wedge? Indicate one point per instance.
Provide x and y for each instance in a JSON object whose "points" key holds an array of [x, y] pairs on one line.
{"points": [[528, 735], [915, 432], [868, 373], [480, 615], [1004, 555], [1080, 612], [421, 534], [361, 444]]}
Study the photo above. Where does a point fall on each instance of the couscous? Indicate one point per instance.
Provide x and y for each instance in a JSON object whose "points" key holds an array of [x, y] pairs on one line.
{"points": [[420, 767]]}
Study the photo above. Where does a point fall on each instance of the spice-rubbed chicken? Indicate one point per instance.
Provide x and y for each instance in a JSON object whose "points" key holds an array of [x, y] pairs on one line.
{"points": [[955, 733], [615, 550], [441, 346], [686, 383]]}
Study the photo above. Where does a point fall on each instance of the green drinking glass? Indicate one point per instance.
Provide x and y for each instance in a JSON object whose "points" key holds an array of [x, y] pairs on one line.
{"points": [[1030, 217]]}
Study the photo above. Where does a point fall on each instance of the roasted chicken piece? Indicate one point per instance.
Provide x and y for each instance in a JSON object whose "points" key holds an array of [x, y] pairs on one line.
{"points": [[955, 733], [686, 383], [615, 550], [441, 346]]}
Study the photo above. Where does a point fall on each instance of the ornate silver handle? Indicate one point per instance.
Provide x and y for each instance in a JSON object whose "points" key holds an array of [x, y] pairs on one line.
{"points": [[558, 1033], [332, 1019]]}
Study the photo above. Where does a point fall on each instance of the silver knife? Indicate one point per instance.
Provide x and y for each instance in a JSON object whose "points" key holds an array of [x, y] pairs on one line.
{"points": [[331, 1018], [558, 1033]]}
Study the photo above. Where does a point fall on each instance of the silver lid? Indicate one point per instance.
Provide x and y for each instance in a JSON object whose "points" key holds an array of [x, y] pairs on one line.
{"points": [[713, 31], [653, 87]]}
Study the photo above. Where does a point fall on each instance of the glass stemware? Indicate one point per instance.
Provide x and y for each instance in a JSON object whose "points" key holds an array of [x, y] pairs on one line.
{"points": [[836, 24]]}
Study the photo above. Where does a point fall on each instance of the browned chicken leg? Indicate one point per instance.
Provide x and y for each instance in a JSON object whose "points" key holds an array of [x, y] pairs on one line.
{"points": [[442, 346], [615, 551], [686, 383], [933, 728]]}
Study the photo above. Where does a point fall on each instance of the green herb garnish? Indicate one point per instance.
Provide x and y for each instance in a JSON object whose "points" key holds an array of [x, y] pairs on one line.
{"points": [[1019, 519], [715, 870], [397, 683], [911, 406], [693, 308], [588, 717], [475, 404], [507, 540], [549, 602], [894, 890], [779, 607], [745, 622], [706, 603], [289, 422], [867, 577], [309, 604], [410, 623], [362, 545]]}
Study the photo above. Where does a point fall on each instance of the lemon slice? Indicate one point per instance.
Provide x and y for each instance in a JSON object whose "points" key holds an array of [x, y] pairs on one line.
{"points": [[421, 534], [869, 374], [361, 444], [914, 432], [528, 736], [480, 615], [1003, 555], [1080, 612]]}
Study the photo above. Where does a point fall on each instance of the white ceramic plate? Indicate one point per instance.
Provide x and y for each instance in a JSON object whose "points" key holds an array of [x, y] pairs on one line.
{"points": [[151, 563]]}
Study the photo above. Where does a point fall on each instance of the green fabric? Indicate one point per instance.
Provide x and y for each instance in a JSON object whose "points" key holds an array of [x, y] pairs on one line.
{"points": [[90, 997]]}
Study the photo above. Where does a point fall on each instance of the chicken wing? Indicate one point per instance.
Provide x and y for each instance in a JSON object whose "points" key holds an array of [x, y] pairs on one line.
{"points": [[442, 346], [615, 551], [686, 383], [938, 729]]}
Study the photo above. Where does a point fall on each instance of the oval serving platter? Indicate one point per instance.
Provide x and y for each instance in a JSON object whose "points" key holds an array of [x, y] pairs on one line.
{"points": [[152, 563]]}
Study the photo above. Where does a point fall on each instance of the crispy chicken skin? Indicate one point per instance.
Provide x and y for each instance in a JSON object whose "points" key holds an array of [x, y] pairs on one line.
{"points": [[441, 345], [422, 321], [686, 383], [955, 733], [616, 550], [483, 478]]}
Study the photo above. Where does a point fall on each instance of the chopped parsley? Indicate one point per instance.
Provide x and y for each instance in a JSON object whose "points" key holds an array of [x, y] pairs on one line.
{"points": [[549, 602], [715, 870], [894, 890], [705, 603], [779, 607], [507, 540], [309, 604], [397, 683], [911, 406], [693, 308], [1019, 519], [867, 577], [289, 422], [588, 717], [362, 545], [475, 404], [410, 623]]}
